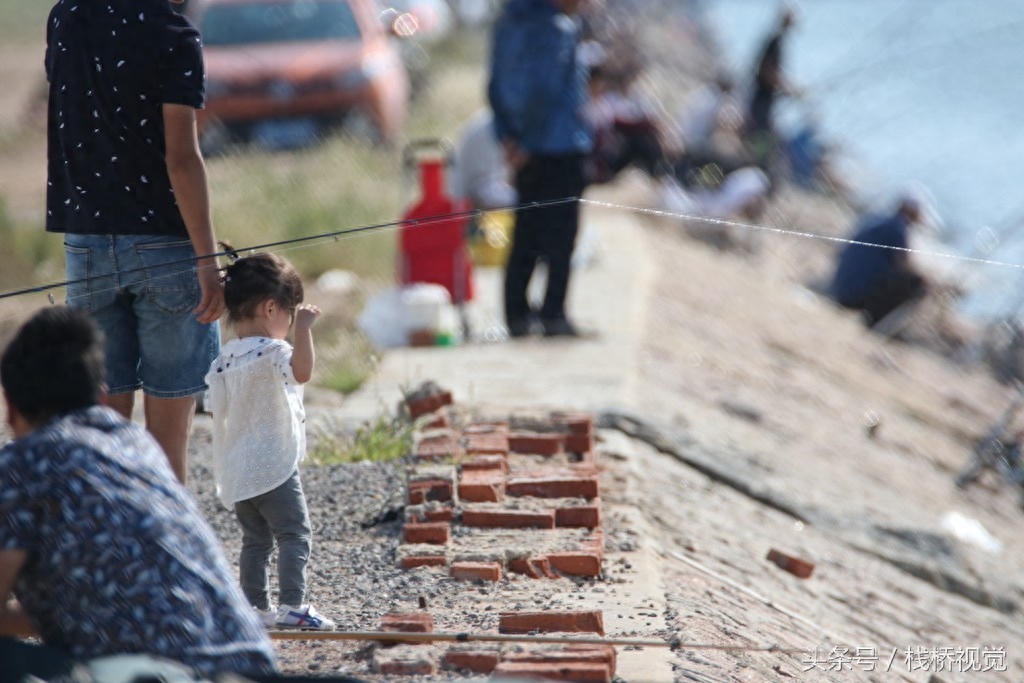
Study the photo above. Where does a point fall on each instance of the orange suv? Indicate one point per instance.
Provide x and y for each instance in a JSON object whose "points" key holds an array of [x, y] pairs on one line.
{"points": [[279, 71]]}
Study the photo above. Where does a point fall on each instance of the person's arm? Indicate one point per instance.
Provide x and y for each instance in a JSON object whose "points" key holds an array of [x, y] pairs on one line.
{"points": [[303, 356], [187, 173], [13, 621]]}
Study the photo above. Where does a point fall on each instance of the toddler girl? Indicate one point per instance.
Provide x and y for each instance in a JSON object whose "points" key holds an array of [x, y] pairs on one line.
{"points": [[259, 434]]}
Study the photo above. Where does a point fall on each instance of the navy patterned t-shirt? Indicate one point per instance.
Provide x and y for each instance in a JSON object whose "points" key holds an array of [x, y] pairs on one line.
{"points": [[112, 65], [119, 558]]}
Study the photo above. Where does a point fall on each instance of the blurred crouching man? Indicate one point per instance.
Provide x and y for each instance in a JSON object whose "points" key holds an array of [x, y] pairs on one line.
{"points": [[874, 273], [537, 91], [104, 549]]}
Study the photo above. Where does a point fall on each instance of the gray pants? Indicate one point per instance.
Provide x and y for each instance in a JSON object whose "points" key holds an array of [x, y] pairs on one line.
{"points": [[279, 515]]}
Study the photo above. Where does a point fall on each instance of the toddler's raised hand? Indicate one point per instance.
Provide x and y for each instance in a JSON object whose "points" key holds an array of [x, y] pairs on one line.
{"points": [[306, 315]]}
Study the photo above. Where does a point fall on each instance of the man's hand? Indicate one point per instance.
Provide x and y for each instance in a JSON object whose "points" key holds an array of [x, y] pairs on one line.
{"points": [[211, 305], [515, 156]]}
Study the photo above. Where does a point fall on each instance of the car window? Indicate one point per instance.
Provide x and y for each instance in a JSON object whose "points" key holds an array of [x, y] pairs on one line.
{"points": [[286, 20]]}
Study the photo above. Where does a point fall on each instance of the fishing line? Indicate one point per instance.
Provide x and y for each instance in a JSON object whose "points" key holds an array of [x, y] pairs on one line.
{"points": [[800, 233], [426, 222], [335, 234]]}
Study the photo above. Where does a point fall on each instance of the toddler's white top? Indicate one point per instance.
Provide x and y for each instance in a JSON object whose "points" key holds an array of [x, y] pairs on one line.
{"points": [[259, 430]]}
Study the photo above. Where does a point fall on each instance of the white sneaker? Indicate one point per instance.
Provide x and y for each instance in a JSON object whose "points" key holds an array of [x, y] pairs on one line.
{"points": [[268, 617], [305, 618]]}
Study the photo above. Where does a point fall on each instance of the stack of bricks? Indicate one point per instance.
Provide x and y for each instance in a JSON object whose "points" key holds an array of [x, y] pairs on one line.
{"points": [[520, 501], [486, 476]]}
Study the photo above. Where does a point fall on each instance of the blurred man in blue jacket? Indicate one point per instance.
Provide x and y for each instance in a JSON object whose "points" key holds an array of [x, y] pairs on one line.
{"points": [[537, 91], [874, 273]]}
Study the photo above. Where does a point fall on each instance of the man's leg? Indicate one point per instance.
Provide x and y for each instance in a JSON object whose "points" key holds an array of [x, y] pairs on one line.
{"points": [[898, 288], [523, 255], [123, 403], [564, 179], [169, 420]]}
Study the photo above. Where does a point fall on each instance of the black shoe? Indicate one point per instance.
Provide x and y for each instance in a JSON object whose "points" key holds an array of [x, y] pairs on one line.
{"points": [[519, 328], [560, 328]]}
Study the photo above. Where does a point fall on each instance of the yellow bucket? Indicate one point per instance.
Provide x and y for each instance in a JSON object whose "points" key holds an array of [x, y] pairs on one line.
{"points": [[491, 242]]}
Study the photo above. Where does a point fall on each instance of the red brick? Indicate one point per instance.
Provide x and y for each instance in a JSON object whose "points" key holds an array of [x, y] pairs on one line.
{"points": [[437, 448], [439, 514], [575, 422], [602, 654], [496, 426], [428, 404], [583, 516], [579, 443], [407, 622], [579, 672], [486, 461], [579, 563], [482, 486], [583, 621], [470, 571], [434, 512], [413, 561], [509, 519], [408, 667], [475, 661], [435, 533], [487, 443], [793, 565], [429, 489], [536, 567], [536, 443], [437, 420], [553, 486]]}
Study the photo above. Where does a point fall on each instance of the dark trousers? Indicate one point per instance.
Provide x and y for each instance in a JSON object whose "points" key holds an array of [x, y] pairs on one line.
{"points": [[19, 659], [547, 233], [892, 291]]}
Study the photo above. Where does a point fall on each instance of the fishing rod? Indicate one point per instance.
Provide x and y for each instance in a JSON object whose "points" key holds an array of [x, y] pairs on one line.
{"points": [[887, 21], [334, 234], [823, 85]]}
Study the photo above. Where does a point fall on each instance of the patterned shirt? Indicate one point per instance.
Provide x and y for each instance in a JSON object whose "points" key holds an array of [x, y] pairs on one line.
{"points": [[111, 65], [120, 560], [259, 430]]}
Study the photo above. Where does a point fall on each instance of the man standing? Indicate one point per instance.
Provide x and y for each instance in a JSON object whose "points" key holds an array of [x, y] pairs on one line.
{"points": [[770, 81], [537, 91], [127, 186], [874, 273]]}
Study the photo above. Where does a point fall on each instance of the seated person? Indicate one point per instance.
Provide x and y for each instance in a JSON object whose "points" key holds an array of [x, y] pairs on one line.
{"points": [[479, 172], [874, 273], [105, 551], [625, 127], [711, 126]]}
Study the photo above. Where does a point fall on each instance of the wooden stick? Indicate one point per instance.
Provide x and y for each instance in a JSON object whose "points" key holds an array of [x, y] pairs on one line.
{"points": [[407, 637]]}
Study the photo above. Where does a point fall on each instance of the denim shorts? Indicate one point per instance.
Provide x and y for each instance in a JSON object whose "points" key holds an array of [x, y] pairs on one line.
{"points": [[142, 290]]}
